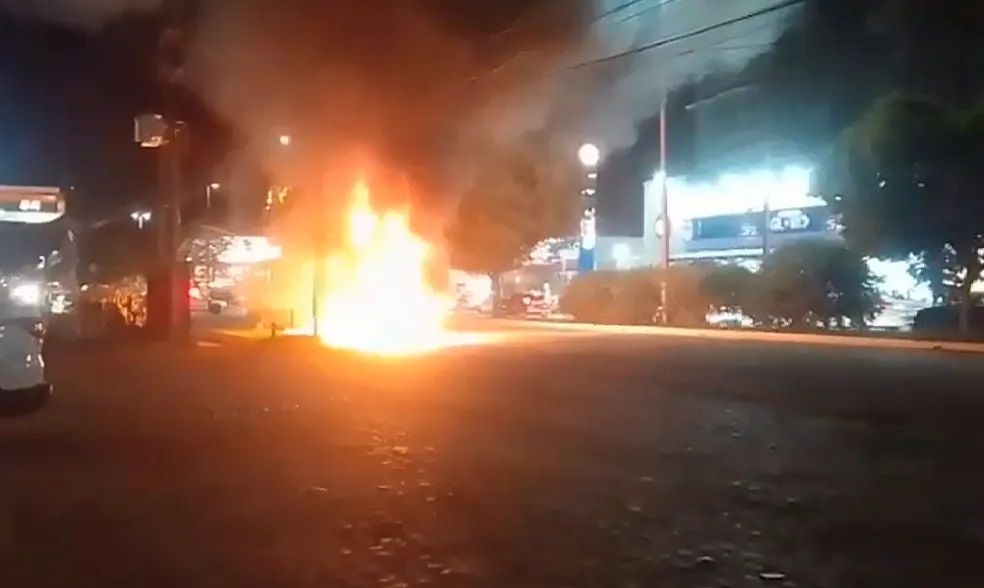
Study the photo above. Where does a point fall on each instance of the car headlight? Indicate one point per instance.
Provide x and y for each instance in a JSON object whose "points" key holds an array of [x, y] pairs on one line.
{"points": [[26, 294]]}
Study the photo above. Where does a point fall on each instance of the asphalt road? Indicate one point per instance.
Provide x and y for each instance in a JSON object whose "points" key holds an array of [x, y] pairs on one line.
{"points": [[542, 459]]}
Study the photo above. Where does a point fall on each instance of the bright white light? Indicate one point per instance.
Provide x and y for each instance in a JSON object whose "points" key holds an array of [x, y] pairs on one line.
{"points": [[589, 236], [622, 254], [897, 282], [249, 250], [589, 155], [621, 251], [140, 217], [215, 185], [737, 193], [285, 140], [26, 294]]}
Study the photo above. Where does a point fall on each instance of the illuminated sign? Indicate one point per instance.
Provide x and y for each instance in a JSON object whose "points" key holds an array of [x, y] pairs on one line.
{"points": [[589, 235], [751, 224], [30, 204]]}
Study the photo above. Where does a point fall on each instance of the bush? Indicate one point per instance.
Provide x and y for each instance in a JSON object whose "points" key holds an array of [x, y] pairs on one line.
{"points": [[633, 297], [589, 297]]}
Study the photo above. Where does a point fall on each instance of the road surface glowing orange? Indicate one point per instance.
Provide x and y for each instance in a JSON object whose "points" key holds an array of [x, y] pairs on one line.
{"points": [[377, 298]]}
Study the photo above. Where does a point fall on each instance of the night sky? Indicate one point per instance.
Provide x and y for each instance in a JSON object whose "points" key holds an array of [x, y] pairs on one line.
{"points": [[419, 83], [397, 77]]}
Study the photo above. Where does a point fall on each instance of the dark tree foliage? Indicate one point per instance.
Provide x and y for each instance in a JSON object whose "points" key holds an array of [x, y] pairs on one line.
{"points": [[818, 281], [835, 59], [527, 192], [912, 186]]}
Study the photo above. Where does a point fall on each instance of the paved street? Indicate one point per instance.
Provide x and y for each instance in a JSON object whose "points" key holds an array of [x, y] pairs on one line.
{"points": [[541, 459]]}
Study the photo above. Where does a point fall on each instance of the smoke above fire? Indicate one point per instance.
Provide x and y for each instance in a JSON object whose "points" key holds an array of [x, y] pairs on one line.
{"points": [[426, 83], [87, 14], [637, 84], [408, 80]]}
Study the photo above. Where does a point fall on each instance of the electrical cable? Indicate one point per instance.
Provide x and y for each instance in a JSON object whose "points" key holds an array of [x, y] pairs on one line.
{"points": [[689, 35]]}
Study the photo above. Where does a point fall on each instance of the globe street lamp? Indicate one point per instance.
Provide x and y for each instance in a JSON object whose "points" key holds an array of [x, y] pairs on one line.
{"points": [[589, 155]]}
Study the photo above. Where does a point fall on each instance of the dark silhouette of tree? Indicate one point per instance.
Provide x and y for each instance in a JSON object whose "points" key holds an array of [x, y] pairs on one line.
{"points": [[912, 187], [818, 282], [524, 193]]}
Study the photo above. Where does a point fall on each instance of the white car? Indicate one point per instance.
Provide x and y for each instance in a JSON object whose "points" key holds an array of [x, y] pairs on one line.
{"points": [[24, 387]]}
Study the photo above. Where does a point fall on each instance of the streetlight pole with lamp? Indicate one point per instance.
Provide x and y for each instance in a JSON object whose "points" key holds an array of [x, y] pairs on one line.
{"points": [[590, 156], [285, 142], [665, 216], [208, 193]]}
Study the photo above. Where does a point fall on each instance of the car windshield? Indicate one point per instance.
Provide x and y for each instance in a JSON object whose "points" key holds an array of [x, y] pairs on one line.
{"points": [[23, 245]]}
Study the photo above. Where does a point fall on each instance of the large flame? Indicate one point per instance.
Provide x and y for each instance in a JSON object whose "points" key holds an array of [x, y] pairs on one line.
{"points": [[377, 298]]}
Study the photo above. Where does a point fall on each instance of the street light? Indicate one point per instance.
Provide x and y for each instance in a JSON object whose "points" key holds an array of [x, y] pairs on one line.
{"points": [[208, 193], [589, 155], [286, 140], [140, 217]]}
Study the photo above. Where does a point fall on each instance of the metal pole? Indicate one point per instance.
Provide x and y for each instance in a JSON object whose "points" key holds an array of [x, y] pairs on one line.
{"points": [[172, 155], [315, 294], [320, 252], [665, 214]]}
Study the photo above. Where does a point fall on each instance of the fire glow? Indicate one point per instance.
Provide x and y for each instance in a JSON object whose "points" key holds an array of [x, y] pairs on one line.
{"points": [[377, 298]]}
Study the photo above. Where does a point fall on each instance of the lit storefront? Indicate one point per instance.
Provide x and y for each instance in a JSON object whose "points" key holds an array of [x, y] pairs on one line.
{"points": [[232, 267], [738, 217]]}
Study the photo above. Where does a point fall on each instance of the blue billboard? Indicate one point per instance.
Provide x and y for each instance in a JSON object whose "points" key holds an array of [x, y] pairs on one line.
{"points": [[749, 230]]}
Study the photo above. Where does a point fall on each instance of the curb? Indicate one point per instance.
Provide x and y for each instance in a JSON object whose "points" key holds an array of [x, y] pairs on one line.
{"points": [[763, 337]]}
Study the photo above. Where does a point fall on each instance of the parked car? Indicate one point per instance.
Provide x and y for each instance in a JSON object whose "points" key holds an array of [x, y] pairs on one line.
{"points": [[524, 305]]}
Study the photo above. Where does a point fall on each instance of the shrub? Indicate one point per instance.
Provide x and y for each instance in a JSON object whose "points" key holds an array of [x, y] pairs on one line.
{"points": [[632, 297]]}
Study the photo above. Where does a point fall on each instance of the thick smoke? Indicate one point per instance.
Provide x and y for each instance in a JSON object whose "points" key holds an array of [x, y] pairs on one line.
{"points": [[87, 14], [638, 84], [405, 80]]}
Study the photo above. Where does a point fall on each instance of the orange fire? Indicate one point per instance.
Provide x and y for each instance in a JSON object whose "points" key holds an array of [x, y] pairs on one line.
{"points": [[377, 298]]}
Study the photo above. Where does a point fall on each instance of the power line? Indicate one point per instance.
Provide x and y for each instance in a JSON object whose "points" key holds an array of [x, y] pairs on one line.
{"points": [[623, 7], [615, 10], [684, 36]]}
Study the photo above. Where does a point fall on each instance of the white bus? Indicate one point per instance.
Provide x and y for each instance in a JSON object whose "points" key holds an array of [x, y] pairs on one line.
{"points": [[38, 246], [38, 287]]}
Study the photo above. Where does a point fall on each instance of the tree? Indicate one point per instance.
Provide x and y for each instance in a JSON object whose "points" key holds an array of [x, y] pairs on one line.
{"points": [[632, 297], [731, 287], [522, 194], [118, 250], [912, 187], [818, 281]]}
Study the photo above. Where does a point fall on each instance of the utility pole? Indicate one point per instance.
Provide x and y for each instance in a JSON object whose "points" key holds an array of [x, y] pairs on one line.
{"points": [[665, 215], [171, 298]]}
